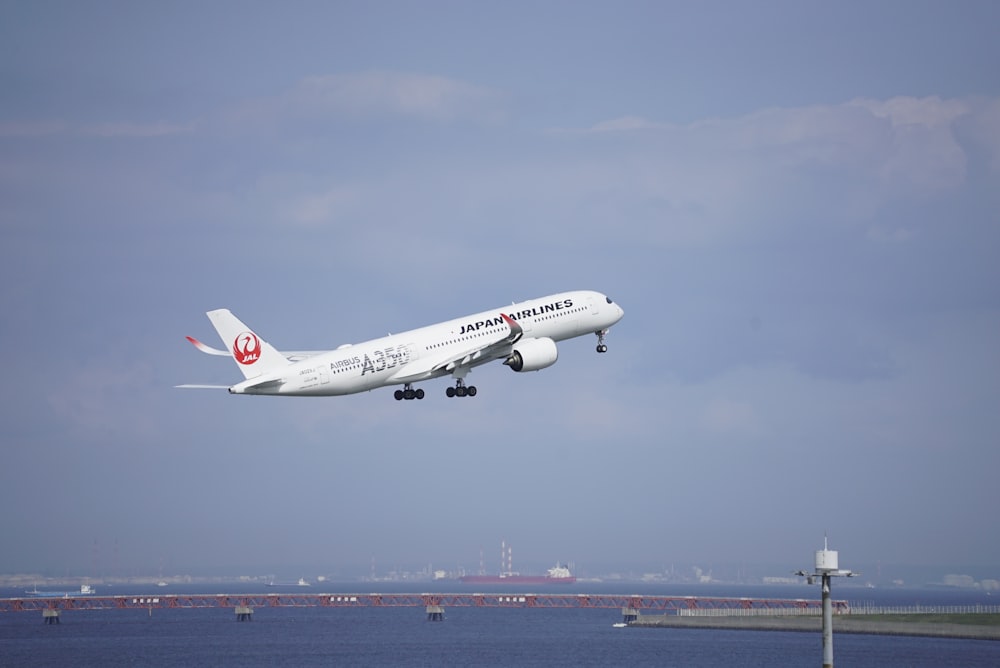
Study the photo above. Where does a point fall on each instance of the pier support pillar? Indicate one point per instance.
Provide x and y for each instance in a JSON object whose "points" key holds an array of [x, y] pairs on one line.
{"points": [[50, 616], [435, 613], [629, 615], [244, 613]]}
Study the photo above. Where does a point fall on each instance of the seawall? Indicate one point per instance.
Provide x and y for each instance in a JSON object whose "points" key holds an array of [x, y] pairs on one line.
{"points": [[814, 624]]}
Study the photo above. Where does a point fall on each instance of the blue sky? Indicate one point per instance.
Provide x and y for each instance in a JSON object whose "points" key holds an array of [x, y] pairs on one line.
{"points": [[795, 203]]}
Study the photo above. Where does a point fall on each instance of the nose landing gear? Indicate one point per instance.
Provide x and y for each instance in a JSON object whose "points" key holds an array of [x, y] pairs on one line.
{"points": [[601, 348]]}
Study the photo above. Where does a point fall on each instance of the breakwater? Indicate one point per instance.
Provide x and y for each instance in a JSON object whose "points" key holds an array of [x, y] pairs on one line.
{"points": [[941, 626]]}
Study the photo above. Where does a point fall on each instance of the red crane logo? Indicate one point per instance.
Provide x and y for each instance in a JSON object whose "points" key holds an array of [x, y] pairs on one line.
{"points": [[246, 348]]}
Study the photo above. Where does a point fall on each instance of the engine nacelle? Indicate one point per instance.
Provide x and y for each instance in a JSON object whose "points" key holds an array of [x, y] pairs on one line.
{"points": [[533, 354]]}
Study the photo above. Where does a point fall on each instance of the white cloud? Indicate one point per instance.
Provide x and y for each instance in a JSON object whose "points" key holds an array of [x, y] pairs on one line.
{"points": [[160, 129], [420, 95], [32, 128], [743, 177], [377, 94], [928, 112], [905, 141], [41, 128], [626, 124]]}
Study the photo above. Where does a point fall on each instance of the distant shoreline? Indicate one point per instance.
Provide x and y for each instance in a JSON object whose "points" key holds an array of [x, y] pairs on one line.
{"points": [[943, 626]]}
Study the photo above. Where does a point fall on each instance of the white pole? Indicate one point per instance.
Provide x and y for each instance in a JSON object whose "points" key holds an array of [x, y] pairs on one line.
{"points": [[827, 623]]}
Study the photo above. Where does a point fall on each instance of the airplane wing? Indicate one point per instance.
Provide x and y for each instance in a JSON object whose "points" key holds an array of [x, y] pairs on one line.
{"points": [[481, 353], [291, 356]]}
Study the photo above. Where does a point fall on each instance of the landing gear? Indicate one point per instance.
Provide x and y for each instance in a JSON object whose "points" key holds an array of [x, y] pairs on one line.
{"points": [[408, 393], [461, 389], [601, 348]]}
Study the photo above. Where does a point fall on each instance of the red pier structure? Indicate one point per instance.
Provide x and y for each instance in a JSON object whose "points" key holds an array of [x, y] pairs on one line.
{"points": [[631, 605]]}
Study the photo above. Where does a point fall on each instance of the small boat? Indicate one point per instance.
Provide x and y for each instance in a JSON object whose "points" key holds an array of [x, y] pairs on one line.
{"points": [[85, 590], [301, 583]]}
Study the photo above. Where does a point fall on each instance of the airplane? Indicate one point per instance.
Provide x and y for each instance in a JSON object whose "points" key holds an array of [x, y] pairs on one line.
{"points": [[523, 335]]}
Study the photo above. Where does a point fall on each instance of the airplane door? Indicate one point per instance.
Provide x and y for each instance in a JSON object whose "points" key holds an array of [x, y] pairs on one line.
{"points": [[324, 377]]}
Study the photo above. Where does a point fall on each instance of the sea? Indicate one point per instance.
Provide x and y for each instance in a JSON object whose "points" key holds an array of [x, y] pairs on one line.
{"points": [[403, 636]]}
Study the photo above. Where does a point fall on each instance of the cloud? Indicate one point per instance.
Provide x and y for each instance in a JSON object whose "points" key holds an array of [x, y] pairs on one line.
{"points": [[776, 172], [621, 124], [904, 140], [32, 128], [928, 112], [362, 95], [378, 94], [923, 151], [42, 128], [424, 96], [137, 130]]}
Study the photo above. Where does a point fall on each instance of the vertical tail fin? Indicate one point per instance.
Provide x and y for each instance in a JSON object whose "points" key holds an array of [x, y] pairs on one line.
{"points": [[254, 356]]}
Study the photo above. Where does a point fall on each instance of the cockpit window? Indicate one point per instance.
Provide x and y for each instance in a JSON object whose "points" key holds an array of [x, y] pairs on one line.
{"points": [[609, 300]]}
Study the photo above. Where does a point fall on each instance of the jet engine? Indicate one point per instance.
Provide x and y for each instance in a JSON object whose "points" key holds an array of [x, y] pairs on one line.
{"points": [[533, 354]]}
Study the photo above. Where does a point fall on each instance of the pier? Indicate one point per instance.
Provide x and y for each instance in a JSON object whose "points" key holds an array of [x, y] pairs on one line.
{"points": [[631, 606], [636, 610]]}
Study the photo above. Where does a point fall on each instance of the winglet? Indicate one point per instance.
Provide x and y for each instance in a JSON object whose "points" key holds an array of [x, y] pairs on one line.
{"points": [[515, 329], [206, 348]]}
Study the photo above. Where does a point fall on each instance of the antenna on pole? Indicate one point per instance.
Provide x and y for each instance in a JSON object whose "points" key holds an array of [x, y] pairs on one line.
{"points": [[826, 567]]}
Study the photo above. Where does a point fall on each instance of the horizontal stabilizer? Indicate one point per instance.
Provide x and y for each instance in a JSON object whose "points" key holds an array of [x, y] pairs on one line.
{"points": [[254, 386], [203, 387]]}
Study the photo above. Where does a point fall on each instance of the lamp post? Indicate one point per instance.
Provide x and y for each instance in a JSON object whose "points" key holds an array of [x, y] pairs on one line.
{"points": [[826, 567]]}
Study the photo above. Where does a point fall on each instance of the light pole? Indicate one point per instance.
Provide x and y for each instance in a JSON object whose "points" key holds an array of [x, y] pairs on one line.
{"points": [[826, 567]]}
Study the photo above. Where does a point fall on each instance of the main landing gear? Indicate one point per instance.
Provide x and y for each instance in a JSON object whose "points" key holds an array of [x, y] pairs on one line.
{"points": [[601, 348], [408, 393], [461, 389]]}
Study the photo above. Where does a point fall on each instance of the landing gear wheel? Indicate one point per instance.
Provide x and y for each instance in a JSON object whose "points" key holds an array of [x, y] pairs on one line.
{"points": [[408, 393], [601, 348], [461, 389]]}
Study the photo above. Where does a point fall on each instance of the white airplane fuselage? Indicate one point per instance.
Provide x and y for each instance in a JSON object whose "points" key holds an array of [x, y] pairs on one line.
{"points": [[451, 348]]}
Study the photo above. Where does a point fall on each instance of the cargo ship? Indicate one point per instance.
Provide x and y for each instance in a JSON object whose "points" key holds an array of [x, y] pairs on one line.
{"points": [[558, 574]]}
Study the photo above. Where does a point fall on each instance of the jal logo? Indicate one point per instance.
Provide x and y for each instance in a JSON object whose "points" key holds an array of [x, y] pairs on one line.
{"points": [[246, 348]]}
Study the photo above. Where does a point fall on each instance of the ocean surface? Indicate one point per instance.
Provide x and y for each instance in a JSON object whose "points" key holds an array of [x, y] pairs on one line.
{"points": [[466, 637]]}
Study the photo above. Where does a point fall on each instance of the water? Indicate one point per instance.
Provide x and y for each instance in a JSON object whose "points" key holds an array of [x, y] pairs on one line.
{"points": [[467, 637]]}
